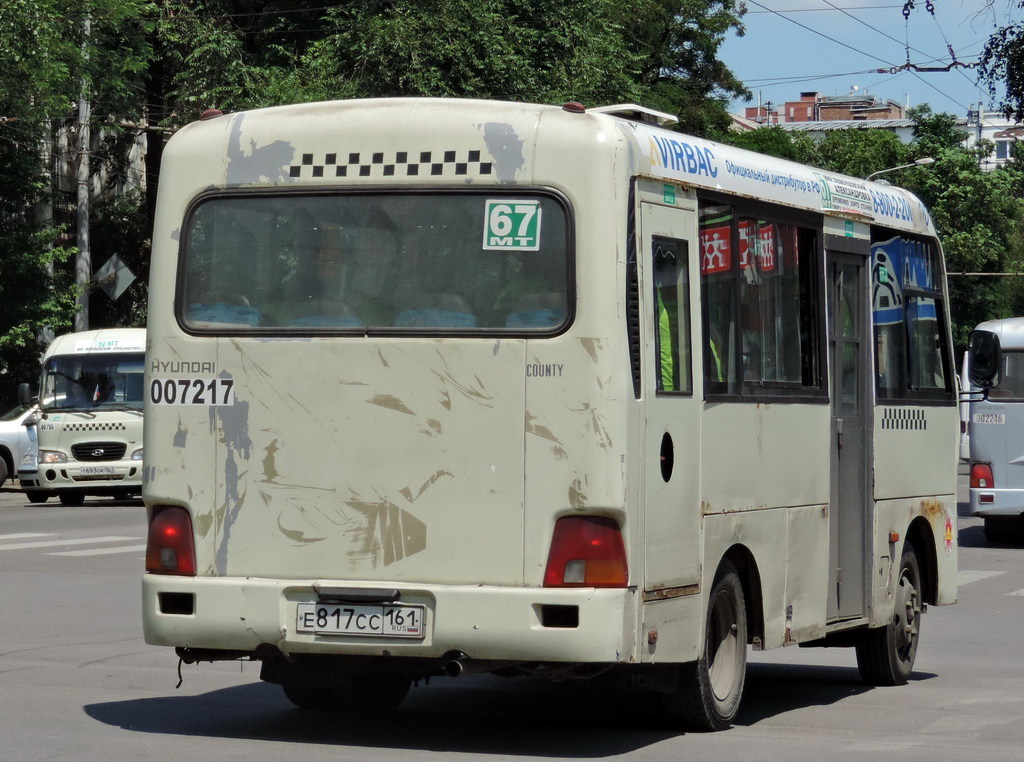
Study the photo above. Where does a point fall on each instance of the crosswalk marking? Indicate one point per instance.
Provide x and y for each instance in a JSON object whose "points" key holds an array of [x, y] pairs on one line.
{"points": [[1017, 592], [59, 543], [101, 551], [25, 535], [967, 576]]}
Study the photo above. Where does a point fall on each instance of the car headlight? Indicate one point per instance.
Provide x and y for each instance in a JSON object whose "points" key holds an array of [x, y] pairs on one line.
{"points": [[52, 456], [137, 455]]}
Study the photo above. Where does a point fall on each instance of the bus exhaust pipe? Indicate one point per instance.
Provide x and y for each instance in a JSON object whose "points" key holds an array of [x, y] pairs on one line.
{"points": [[456, 664]]}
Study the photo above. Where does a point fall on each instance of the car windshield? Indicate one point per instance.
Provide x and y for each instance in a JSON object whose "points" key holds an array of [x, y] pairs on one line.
{"points": [[85, 381]]}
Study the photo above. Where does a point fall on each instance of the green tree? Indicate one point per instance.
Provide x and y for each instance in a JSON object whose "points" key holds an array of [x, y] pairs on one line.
{"points": [[47, 58], [662, 53]]}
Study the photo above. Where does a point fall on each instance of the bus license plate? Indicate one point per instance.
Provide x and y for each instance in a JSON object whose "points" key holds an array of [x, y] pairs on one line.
{"points": [[97, 471], [385, 620]]}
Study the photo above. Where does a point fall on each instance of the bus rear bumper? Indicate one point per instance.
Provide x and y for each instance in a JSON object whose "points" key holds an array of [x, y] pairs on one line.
{"points": [[989, 503], [482, 622]]}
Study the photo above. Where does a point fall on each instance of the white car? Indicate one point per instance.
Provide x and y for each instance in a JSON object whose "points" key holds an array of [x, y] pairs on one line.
{"points": [[17, 438]]}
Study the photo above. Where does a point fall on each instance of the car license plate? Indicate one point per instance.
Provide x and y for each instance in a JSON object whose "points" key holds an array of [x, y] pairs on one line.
{"points": [[381, 620], [97, 471]]}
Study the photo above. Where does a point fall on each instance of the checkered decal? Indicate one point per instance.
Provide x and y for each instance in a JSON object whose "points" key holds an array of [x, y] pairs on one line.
{"points": [[398, 164], [904, 419], [94, 427]]}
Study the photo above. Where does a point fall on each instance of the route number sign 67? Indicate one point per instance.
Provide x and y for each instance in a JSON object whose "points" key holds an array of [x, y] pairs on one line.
{"points": [[512, 225]]}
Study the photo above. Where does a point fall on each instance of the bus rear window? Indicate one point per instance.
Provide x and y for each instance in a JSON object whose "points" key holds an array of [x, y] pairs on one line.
{"points": [[460, 263]]}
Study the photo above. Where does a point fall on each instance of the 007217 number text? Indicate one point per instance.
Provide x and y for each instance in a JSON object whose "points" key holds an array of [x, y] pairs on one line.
{"points": [[192, 391]]}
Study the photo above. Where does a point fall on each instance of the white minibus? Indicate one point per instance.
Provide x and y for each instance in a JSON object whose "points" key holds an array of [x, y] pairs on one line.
{"points": [[996, 430], [89, 430], [438, 386]]}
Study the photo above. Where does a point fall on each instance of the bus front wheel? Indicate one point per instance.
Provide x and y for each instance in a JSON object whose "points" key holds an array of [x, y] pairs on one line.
{"points": [[709, 690], [886, 654]]}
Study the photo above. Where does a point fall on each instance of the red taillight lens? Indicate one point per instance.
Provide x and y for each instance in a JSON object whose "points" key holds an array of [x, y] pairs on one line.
{"points": [[170, 548], [586, 551], [981, 476]]}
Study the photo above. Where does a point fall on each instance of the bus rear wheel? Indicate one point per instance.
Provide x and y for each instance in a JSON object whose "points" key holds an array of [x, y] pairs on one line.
{"points": [[886, 654], [709, 691]]}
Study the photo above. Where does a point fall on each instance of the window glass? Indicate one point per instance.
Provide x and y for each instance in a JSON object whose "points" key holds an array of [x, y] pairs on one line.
{"points": [[910, 334], [1011, 377], [672, 321], [90, 380], [761, 325], [454, 262]]}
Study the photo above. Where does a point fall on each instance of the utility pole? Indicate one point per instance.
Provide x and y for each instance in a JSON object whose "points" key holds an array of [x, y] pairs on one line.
{"points": [[83, 262]]}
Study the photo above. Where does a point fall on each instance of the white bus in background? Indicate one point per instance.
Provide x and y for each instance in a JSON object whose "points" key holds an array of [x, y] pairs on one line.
{"points": [[996, 430], [442, 386], [90, 418]]}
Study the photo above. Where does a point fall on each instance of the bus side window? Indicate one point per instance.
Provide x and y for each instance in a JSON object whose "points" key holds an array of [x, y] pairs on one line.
{"points": [[672, 318]]}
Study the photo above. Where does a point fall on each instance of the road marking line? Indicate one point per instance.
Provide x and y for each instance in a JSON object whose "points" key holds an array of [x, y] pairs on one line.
{"points": [[26, 535], [1017, 592], [967, 576], [101, 551], [59, 543]]}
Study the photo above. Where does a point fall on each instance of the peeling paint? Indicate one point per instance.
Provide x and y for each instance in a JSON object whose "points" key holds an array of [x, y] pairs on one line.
{"points": [[591, 346], [269, 163], [407, 493], [180, 435], [391, 403], [390, 534], [506, 149], [270, 473], [538, 430], [577, 496], [433, 427]]}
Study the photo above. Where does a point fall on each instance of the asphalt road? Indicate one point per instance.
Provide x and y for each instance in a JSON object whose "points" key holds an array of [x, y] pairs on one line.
{"points": [[78, 683]]}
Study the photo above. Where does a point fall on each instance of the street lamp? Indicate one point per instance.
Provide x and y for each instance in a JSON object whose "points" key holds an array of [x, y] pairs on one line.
{"points": [[919, 163]]}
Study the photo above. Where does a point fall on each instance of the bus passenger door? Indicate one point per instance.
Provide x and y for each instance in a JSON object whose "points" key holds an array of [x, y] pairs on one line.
{"points": [[850, 496], [668, 282]]}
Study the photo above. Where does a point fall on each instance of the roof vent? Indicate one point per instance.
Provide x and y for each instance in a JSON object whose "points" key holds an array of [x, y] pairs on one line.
{"points": [[637, 113]]}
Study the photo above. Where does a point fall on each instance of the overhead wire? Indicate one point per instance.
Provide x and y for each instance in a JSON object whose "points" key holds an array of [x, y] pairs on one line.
{"points": [[892, 69]]}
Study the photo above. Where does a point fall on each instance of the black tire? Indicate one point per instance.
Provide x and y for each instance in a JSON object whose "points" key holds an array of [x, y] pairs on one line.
{"points": [[886, 655], [363, 693], [710, 689], [71, 499], [4, 472], [36, 496]]}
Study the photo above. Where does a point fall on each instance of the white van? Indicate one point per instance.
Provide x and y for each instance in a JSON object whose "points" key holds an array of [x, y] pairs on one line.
{"points": [[90, 417], [996, 430]]}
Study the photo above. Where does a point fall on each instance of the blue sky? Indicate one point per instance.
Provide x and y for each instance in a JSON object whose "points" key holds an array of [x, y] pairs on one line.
{"points": [[833, 46]]}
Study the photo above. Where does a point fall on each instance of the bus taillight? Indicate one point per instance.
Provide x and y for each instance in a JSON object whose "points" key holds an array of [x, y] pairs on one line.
{"points": [[170, 548], [586, 551], [981, 476]]}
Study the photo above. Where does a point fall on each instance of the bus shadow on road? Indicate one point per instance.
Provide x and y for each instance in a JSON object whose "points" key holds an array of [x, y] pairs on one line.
{"points": [[775, 689], [477, 715], [481, 715]]}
